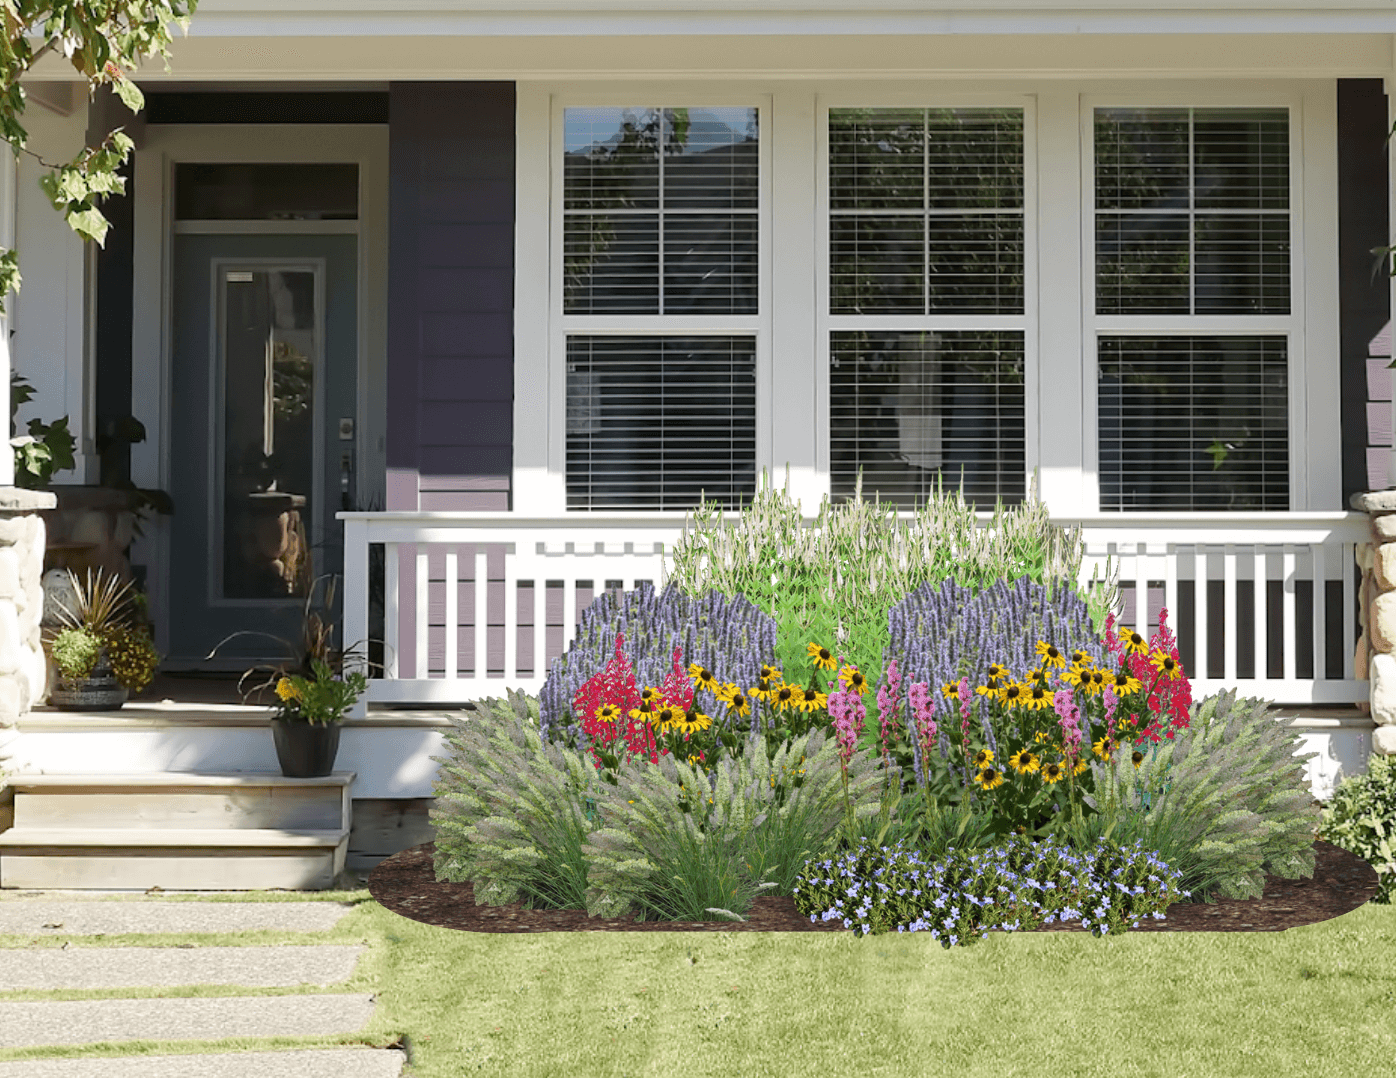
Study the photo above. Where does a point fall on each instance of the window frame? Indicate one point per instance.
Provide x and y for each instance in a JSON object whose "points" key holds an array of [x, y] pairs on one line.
{"points": [[562, 325]]}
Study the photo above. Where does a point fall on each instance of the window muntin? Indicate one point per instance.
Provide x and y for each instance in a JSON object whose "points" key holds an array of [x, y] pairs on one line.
{"points": [[653, 422], [1192, 211], [926, 211], [660, 211], [1193, 423]]}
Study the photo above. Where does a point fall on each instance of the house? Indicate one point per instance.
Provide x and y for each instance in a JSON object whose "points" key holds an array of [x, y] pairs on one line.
{"points": [[468, 301]]}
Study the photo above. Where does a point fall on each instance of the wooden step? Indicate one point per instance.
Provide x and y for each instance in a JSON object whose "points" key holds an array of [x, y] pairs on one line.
{"points": [[195, 800]]}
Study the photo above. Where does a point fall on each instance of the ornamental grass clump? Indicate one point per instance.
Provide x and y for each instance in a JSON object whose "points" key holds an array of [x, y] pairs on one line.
{"points": [[1361, 819], [1014, 886], [836, 579]]}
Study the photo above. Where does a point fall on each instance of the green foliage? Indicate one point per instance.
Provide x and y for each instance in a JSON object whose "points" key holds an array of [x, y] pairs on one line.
{"points": [[104, 41], [1226, 801], [1361, 819], [322, 698], [835, 582], [47, 448], [75, 652]]}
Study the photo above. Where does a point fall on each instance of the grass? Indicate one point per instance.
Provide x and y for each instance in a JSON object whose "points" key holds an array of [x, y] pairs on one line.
{"points": [[1313, 1000]]}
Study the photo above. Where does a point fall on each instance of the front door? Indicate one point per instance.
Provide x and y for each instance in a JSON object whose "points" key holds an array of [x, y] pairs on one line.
{"points": [[262, 439]]}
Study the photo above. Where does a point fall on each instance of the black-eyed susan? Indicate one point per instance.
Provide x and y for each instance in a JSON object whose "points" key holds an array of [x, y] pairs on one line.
{"points": [[853, 680], [1012, 694], [811, 700], [608, 713], [703, 678], [1038, 673], [950, 690], [1075, 674], [1041, 737], [820, 658], [1024, 762], [989, 778], [771, 674], [737, 703], [1136, 758], [1166, 665], [1038, 696], [691, 721], [1081, 658], [1052, 773], [997, 672], [983, 758], [1051, 657], [1124, 683], [1082, 765], [649, 695], [1132, 642], [665, 719], [783, 697], [1103, 747], [990, 689], [1096, 685]]}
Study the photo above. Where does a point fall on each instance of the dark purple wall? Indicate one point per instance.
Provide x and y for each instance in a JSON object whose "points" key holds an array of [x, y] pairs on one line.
{"points": [[451, 295]]}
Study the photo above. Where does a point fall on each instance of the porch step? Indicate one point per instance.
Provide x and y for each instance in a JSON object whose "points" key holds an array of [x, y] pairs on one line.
{"points": [[177, 831]]}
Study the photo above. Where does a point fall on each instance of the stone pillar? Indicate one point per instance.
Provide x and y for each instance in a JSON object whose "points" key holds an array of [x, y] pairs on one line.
{"points": [[22, 668], [1376, 649]]}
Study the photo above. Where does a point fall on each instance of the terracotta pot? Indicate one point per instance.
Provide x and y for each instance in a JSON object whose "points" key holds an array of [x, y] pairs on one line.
{"points": [[305, 750]]}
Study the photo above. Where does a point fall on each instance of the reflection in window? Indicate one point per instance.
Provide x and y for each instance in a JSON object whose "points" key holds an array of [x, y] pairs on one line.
{"points": [[1194, 423], [914, 409], [926, 211], [270, 347], [660, 211], [652, 422], [1192, 211]]}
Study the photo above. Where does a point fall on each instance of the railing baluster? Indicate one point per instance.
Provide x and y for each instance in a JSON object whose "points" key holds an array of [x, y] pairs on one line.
{"points": [[569, 608], [482, 620], [511, 616], [1349, 610], [450, 643], [1229, 611], [419, 634], [1320, 605], [391, 612], [1261, 591], [1141, 589], [1199, 615], [1170, 585], [1288, 600]]}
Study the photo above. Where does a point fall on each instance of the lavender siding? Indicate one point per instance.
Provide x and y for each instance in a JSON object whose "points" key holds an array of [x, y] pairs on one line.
{"points": [[1364, 295]]}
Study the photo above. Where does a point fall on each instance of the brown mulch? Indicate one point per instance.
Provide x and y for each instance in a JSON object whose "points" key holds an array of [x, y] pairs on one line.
{"points": [[406, 884]]}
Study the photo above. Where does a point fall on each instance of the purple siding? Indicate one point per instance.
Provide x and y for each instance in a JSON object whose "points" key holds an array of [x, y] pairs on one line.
{"points": [[451, 295]]}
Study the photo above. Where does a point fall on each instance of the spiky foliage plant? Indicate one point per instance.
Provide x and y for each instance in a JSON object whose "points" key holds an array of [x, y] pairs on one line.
{"points": [[725, 634], [1361, 819], [745, 828], [511, 810], [1226, 801], [833, 580]]}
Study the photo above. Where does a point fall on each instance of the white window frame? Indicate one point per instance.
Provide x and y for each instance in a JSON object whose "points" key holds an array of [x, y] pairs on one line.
{"points": [[1313, 299], [562, 325], [827, 324]]}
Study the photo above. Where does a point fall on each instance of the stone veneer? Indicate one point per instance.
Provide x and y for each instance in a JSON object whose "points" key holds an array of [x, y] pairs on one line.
{"points": [[1376, 605], [22, 667]]}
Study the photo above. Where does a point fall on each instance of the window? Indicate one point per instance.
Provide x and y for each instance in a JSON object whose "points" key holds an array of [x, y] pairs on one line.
{"points": [[927, 303], [1193, 223], [661, 286]]}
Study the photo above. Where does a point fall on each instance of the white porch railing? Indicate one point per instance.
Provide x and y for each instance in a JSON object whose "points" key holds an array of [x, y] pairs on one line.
{"points": [[541, 573]]}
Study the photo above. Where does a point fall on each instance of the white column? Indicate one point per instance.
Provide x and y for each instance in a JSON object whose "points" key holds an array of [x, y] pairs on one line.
{"points": [[7, 241]]}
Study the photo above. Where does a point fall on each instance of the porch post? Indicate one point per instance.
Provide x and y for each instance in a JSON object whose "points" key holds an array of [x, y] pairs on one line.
{"points": [[7, 241]]}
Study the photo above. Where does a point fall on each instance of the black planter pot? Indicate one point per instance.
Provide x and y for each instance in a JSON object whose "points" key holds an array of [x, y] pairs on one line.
{"points": [[305, 750]]}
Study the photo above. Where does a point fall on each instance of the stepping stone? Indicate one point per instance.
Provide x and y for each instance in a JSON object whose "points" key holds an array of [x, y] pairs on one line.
{"points": [[298, 1063], [49, 1022], [45, 917], [148, 967]]}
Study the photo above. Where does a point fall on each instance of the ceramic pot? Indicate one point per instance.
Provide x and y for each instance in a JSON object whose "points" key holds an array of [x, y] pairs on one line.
{"points": [[100, 692], [305, 750]]}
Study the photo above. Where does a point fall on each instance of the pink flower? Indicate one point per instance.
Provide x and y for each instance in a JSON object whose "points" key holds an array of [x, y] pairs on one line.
{"points": [[1068, 717], [964, 695]]}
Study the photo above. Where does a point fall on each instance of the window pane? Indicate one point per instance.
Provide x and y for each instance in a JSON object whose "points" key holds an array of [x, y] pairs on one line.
{"points": [[659, 422], [266, 192], [1193, 423], [914, 408], [660, 211], [1142, 263], [1242, 158], [1242, 264], [926, 211], [1141, 159]]}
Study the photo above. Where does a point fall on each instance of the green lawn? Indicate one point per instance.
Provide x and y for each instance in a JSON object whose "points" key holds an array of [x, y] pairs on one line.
{"points": [[1313, 1001]]}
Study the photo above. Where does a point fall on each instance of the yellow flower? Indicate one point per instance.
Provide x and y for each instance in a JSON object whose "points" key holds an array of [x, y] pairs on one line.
{"points": [[1040, 673], [950, 690], [690, 722], [1050, 655], [983, 758], [989, 777], [1138, 758], [820, 658], [286, 689], [997, 671], [1076, 674], [1081, 658], [1052, 773], [1166, 665], [986, 690], [784, 697], [853, 679], [771, 674], [1125, 683], [1082, 764], [1013, 694], [737, 702], [811, 700], [764, 690], [649, 695], [1037, 697], [665, 719], [1132, 642], [1024, 762], [1040, 737], [1096, 685], [608, 712], [702, 677], [1103, 747]]}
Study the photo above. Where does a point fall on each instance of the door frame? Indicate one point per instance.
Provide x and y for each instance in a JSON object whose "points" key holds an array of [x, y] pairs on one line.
{"points": [[166, 146]]}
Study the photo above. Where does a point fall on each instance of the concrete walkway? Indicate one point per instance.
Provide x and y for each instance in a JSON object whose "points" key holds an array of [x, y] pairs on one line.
{"points": [[43, 1023]]}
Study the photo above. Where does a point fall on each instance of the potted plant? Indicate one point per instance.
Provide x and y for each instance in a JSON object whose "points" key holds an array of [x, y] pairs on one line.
{"points": [[305, 727], [103, 651]]}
